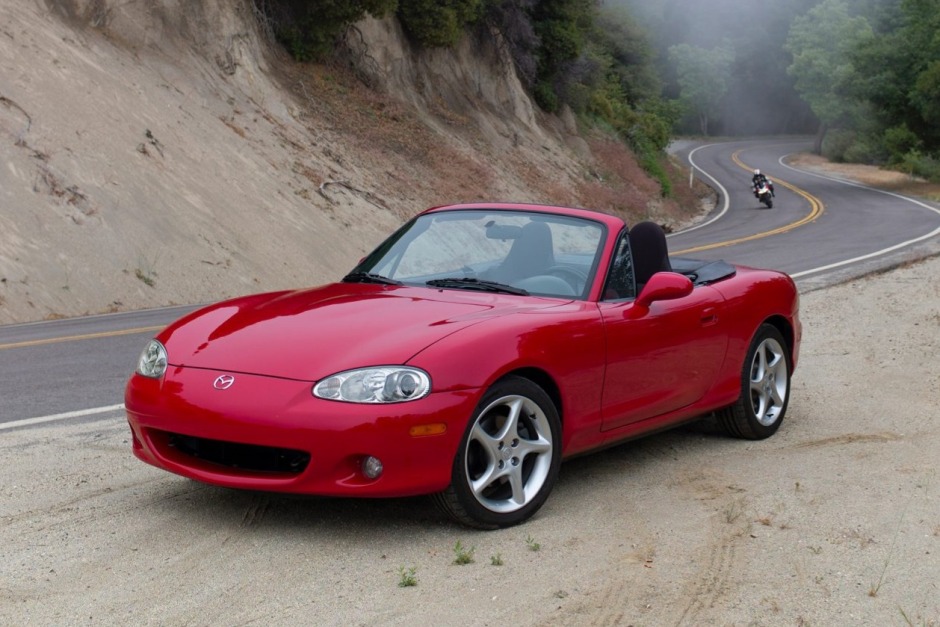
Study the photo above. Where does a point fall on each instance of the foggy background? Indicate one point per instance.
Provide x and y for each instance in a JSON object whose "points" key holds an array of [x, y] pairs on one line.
{"points": [[761, 99]]}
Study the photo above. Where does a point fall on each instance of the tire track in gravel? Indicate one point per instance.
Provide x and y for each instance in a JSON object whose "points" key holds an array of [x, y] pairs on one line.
{"points": [[727, 524], [68, 508], [713, 584]]}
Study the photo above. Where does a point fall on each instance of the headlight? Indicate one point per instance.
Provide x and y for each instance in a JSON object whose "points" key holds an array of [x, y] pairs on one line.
{"points": [[152, 362], [381, 384]]}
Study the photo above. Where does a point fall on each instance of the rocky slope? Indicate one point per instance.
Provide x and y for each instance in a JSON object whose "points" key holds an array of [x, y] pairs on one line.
{"points": [[167, 152]]}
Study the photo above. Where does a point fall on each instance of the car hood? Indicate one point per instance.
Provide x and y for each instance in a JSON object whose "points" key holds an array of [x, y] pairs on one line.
{"points": [[310, 334]]}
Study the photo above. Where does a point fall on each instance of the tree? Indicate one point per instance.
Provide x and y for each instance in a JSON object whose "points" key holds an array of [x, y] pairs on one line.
{"points": [[562, 27], [821, 42], [627, 45], [703, 77], [760, 97], [901, 78]]}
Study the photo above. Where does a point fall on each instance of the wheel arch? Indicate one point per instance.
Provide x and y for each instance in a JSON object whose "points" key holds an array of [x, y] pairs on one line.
{"points": [[786, 330], [545, 381]]}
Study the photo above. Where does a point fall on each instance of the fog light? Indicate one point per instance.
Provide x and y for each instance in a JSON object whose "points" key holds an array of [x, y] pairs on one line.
{"points": [[371, 467]]}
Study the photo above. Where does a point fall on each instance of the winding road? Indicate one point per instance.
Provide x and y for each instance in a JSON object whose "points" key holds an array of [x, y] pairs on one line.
{"points": [[821, 230]]}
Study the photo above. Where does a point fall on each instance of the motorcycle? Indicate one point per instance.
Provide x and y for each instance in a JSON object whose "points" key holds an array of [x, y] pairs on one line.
{"points": [[765, 193]]}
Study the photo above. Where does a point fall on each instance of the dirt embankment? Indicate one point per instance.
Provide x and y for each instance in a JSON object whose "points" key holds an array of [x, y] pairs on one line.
{"points": [[163, 152]]}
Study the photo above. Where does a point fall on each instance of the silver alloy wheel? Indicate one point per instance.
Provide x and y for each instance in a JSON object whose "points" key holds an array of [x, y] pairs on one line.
{"points": [[508, 454], [769, 381]]}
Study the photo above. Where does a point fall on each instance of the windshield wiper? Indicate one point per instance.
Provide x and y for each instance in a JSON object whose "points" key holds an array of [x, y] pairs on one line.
{"points": [[469, 283], [368, 277]]}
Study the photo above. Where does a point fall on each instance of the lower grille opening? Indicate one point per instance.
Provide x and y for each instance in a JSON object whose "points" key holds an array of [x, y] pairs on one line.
{"points": [[241, 456]]}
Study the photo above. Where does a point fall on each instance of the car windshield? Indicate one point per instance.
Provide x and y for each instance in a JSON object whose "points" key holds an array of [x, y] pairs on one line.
{"points": [[517, 252]]}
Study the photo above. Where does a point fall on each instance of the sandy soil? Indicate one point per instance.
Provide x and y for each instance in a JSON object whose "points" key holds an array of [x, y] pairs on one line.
{"points": [[194, 163], [833, 521]]}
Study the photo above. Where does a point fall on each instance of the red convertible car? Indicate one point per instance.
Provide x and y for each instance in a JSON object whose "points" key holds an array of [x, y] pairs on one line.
{"points": [[466, 357]]}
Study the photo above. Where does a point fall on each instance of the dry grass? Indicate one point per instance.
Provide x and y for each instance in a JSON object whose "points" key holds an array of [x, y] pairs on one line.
{"points": [[619, 185], [873, 176], [416, 166]]}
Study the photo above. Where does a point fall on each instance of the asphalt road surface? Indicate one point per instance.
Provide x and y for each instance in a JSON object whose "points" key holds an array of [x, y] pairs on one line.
{"points": [[821, 231]]}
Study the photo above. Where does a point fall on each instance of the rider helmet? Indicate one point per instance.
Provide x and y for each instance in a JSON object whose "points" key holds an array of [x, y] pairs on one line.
{"points": [[756, 172]]}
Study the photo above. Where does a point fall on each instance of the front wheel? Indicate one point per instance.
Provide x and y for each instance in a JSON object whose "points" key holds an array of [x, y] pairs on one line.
{"points": [[508, 459], [765, 388]]}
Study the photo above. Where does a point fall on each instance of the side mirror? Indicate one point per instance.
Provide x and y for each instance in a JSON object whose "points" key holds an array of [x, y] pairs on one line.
{"points": [[663, 286]]}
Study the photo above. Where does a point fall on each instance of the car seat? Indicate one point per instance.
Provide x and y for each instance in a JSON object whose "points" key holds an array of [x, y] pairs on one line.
{"points": [[650, 254], [531, 254]]}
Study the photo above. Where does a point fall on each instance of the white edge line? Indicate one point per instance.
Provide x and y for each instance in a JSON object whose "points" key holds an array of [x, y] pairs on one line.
{"points": [[65, 416], [877, 253], [721, 188]]}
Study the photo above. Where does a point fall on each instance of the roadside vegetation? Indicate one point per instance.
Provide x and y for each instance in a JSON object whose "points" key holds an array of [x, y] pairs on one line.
{"points": [[864, 76], [871, 73], [567, 53], [463, 556]]}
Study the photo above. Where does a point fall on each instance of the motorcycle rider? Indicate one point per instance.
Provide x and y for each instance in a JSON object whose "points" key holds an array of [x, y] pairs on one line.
{"points": [[759, 179]]}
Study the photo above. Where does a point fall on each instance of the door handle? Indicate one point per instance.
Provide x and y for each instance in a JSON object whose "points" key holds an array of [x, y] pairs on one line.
{"points": [[709, 316]]}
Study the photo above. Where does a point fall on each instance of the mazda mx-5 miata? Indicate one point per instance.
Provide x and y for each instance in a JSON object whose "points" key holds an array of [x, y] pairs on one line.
{"points": [[466, 357]]}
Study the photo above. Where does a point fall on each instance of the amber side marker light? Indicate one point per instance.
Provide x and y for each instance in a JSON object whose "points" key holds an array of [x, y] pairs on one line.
{"points": [[435, 428]]}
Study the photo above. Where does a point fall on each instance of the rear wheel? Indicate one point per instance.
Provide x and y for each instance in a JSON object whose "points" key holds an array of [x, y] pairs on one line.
{"points": [[508, 459], [765, 388]]}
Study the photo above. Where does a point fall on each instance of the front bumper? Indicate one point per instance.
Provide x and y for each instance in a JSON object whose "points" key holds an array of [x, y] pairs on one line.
{"points": [[272, 434]]}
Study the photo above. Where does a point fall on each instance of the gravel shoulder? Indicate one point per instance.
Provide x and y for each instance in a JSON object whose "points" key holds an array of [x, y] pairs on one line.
{"points": [[834, 520]]}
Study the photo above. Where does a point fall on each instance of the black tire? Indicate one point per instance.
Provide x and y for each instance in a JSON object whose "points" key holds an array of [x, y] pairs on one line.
{"points": [[765, 388], [508, 459]]}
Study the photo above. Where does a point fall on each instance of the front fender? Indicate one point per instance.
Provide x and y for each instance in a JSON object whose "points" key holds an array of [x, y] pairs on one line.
{"points": [[567, 343]]}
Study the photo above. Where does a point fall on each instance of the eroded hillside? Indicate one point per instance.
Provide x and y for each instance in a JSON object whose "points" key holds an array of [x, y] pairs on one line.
{"points": [[166, 152]]}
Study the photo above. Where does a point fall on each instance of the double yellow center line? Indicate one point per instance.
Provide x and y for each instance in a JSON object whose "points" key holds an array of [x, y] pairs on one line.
{"points": [[816, 210], [86, 336]]}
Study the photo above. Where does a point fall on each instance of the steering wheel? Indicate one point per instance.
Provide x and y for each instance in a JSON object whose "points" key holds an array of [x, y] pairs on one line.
{"points": [[576, 278]]}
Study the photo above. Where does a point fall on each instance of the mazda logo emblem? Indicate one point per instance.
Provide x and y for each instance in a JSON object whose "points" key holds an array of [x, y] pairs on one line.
{"points": [[223, 382]]}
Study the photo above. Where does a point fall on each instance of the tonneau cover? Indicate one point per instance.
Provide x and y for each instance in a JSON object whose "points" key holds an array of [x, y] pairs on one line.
{"points": [[702, 272]]}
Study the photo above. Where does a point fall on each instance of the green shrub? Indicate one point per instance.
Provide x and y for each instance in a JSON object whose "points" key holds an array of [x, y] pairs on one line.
{"points": [[862, 151], [836, 143], [438, 24], [924, 166], [545, 97], [653, 164], [309, 29], [900, 142]]}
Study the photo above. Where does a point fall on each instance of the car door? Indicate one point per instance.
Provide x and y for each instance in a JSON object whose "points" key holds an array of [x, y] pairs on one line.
{"points": [[661, 359]]}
